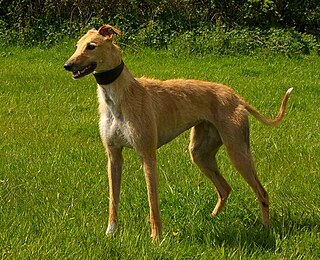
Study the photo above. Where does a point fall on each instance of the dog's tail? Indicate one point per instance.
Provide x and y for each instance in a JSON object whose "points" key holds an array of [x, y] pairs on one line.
{"points": [[270, 122]]}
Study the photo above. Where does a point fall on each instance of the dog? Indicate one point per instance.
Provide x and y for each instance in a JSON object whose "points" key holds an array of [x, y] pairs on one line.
{"points": [[145, 114]]}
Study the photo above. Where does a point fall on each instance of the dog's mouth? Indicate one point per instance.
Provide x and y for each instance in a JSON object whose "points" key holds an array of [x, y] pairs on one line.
{"points": [[81, 73]]}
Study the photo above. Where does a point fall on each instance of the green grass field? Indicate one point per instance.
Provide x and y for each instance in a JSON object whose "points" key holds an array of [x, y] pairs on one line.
{"points": [[53, 184]]}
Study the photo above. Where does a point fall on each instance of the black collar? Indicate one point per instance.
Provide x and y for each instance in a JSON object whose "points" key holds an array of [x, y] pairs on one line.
{"points": [[109, 76]]}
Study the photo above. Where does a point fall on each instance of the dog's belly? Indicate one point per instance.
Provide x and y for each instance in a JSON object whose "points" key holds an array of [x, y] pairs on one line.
{"points": [[167, 135]]}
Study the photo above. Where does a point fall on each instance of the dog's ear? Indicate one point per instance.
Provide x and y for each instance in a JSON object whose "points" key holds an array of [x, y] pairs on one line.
{"points": [[108, 31]]}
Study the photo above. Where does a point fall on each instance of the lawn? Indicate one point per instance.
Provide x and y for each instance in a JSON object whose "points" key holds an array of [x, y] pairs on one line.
{"points": [[53, 184]]}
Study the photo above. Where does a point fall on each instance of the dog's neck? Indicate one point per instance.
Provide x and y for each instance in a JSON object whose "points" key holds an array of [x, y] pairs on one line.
{"points": [[109, 76], [112, 94]]}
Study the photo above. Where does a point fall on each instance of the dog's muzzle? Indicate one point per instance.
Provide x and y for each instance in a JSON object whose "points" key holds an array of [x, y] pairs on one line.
{"points": [[78, 72], [68, 66]]}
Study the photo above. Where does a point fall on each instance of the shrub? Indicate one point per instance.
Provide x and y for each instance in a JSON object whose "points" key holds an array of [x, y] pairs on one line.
{"points": [[245, 41], [195, 26]]}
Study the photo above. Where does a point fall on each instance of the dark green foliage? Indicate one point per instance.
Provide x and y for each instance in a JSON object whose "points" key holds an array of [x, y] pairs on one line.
{"points": [[242, 25], [245, 41]]}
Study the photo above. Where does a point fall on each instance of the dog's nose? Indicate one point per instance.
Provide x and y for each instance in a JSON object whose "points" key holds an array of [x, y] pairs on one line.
{"points": [[68, 66]]}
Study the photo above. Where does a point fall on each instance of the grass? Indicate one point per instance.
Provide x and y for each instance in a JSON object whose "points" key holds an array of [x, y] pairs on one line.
{"points": [[53, 184]]}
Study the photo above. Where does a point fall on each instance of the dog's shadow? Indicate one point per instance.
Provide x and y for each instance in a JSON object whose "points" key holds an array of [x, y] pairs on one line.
{"points": [[254, 236]]}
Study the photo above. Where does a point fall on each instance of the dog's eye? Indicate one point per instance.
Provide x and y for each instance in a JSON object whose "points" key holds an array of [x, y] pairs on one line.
{"points": [[91, 46]]}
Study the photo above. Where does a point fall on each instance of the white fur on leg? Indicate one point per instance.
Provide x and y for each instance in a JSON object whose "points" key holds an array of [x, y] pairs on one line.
{"points": [[111, 230]]}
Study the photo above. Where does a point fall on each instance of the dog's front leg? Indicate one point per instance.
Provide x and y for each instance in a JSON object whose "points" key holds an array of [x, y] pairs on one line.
{"points": [[115, 162], [151, 176]]}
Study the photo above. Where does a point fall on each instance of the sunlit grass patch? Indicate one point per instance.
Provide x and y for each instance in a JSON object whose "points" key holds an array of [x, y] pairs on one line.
{"points": [[53, 184]]}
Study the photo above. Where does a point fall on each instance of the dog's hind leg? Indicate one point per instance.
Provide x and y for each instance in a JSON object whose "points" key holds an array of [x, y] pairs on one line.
{"points": [[205, 142], [236, 140]]}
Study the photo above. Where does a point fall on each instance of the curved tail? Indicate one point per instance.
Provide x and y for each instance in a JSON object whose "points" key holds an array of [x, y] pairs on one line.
{"points": [[270, 122]]}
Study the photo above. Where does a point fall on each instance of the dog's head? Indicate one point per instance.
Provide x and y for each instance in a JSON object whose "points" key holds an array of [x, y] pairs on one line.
{"points": [[95, 52]]}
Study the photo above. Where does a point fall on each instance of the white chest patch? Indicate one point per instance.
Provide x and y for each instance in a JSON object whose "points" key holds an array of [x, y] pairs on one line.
{"points": [[114, 130], [113, 127]]}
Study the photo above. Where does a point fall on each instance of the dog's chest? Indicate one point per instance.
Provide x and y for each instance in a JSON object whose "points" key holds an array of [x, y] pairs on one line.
{"points": [[115, 130], [113, 127]]}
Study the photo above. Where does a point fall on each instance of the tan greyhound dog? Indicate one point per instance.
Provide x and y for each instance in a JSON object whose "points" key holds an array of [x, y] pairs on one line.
{"points": [[145, 114]]}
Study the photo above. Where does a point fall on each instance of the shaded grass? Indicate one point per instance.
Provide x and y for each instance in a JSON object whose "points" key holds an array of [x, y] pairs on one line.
{"points": [[53, 185]]}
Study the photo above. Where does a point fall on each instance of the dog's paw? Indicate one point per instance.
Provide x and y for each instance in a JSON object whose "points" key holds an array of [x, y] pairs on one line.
{"points": [[111, 230]]}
